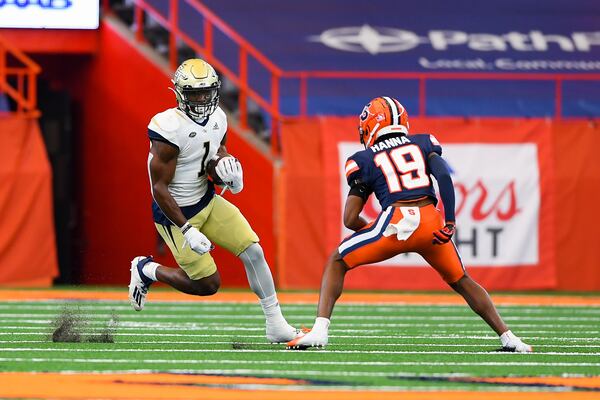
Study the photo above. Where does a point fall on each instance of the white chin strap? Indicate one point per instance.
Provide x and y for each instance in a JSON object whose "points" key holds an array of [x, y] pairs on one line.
{"points": [[372, 134]]}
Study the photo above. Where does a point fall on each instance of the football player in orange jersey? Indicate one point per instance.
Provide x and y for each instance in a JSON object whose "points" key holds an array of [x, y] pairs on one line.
{"points": [[397, 168]]}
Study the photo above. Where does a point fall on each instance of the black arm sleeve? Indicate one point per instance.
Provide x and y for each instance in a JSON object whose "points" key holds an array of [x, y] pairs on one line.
{"points": [[441, 172], [360, 189]]}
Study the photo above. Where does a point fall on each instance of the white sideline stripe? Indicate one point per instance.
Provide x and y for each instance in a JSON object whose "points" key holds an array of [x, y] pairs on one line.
{"points": [[297, 362], [192, 300], [199, 325], [524, 333], [395, 337], [340, 308], [228, 326], [584, 346], [310, 316], [554, 353]]}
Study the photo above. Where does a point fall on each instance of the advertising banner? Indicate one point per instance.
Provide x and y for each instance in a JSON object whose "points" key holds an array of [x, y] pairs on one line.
{"points": [[502, 173], [508, 36], [55, 14]]}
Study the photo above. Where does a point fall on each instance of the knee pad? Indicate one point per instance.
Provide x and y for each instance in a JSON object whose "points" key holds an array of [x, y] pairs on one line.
{"points": [[254, 252]]}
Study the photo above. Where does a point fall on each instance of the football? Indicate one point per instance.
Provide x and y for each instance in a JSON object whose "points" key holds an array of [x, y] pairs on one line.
{"points": [[211, 171]]}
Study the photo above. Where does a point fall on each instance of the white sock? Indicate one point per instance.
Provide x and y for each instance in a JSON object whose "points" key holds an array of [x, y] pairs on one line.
{"points": [[271, 309], [321, 326], [507, 337], [150, 270]]}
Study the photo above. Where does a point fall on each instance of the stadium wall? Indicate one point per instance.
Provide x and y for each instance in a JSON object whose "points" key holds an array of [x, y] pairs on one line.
{"points": [[121, 91], [27, 242], [532, 189]]}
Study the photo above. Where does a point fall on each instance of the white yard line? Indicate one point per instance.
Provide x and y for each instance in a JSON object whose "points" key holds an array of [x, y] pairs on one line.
{"points": [[298, 362], [108, 350], [184, 308], [583, 346], [223, 325], [241, 330], [192, 302], [152, 316], [362, 336]]}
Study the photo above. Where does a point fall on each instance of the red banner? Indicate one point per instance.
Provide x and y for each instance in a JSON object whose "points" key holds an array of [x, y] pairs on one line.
{"points": [[502, 173]]}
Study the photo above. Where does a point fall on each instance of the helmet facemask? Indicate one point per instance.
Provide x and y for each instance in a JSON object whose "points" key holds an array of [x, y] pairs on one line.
{"points": [[198, 103]]}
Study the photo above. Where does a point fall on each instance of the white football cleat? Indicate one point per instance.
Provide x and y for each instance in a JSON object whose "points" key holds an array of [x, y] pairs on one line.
{"points": [[512, 343], [139, 283], [311, 339], [518, 347], [282, 333]]}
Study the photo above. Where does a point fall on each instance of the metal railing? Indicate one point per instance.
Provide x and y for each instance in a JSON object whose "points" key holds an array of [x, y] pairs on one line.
{"points": [[271, 103], [18, 74]]}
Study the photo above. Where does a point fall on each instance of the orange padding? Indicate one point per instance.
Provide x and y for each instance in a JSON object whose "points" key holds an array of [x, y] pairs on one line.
{"points": [[206, 387], [27, 244]]}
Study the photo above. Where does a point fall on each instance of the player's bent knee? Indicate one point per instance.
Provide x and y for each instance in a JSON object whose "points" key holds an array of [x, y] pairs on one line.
{"points": [[254, 252], [207, 286], [336, 258], [458, 283]]}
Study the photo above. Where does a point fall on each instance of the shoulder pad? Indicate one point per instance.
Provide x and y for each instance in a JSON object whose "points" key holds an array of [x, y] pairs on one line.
{"points": [[434, 141], [219, 111], [166, 121]]}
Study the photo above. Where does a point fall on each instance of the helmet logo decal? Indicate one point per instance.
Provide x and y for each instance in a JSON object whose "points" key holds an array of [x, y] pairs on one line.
{"points": [[365, 112]]}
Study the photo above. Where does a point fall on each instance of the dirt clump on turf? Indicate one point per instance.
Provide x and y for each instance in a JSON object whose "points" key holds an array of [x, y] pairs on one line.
{"points": [[67, 327], [70, 326], [107, 333]]}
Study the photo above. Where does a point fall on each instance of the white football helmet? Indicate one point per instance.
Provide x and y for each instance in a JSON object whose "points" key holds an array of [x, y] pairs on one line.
{"points": [[196, 88]]}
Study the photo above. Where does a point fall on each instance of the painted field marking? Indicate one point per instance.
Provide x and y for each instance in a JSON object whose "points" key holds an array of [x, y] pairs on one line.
{"points": [[554, 353], [397, 336], [242, 325], [298, 362], [428, 344], [306, 316]]}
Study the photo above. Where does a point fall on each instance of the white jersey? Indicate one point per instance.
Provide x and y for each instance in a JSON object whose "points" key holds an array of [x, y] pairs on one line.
{"points": [[197, 144]]}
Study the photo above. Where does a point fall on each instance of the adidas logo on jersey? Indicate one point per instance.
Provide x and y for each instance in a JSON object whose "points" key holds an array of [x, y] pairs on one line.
{"points": [[216, 126]]}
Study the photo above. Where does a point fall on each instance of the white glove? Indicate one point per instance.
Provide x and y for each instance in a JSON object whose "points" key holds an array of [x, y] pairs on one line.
{"points": [[230, 171], [195, 239]]}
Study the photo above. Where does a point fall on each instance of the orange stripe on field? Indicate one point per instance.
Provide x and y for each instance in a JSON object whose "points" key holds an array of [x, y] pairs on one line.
{"points": [[249, 297], [171, 386]]}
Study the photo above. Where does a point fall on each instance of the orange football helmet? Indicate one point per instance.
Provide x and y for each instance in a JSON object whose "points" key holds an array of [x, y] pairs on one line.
{"points": [[382, 116]]}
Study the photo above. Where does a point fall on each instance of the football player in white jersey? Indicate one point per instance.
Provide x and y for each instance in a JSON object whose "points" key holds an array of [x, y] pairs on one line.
{"points": [[187, 213]]}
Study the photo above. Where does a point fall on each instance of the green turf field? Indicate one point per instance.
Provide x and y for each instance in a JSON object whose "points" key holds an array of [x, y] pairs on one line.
{"points": [[391, 347]]}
